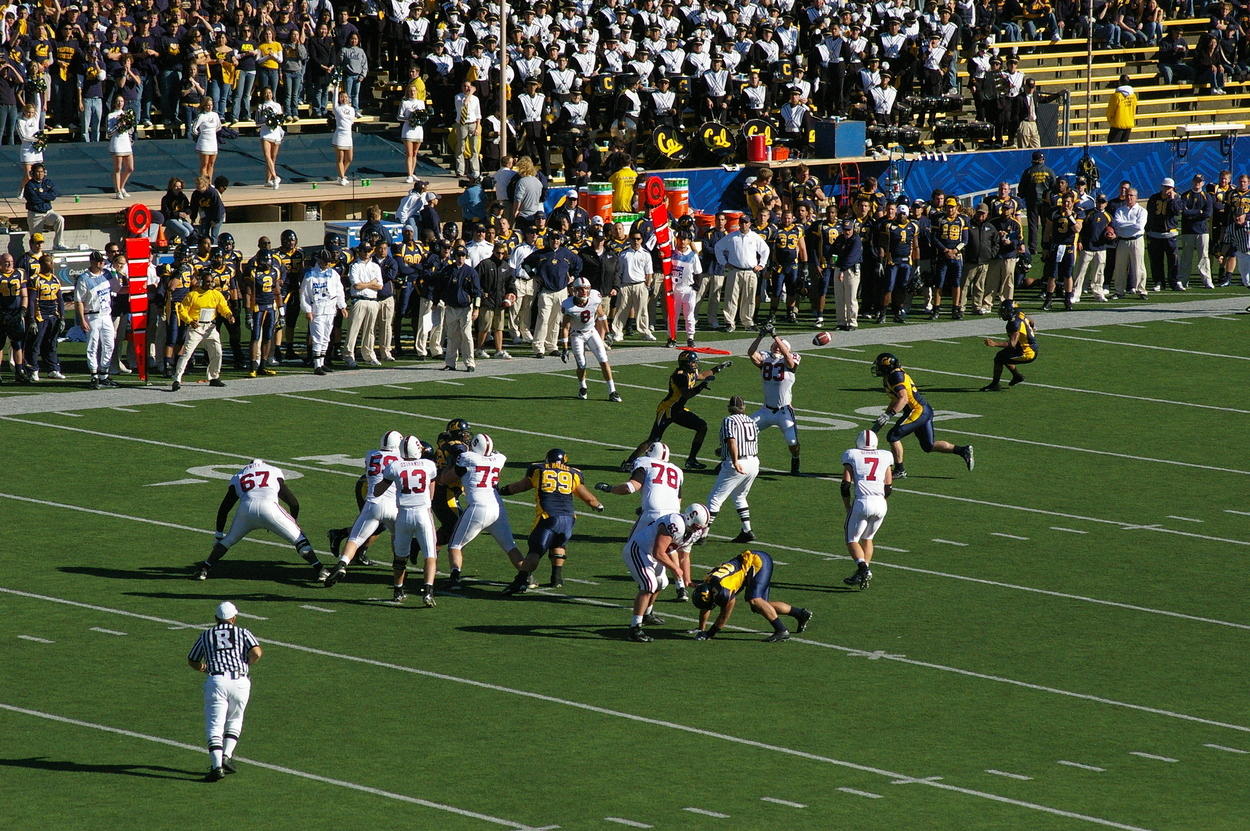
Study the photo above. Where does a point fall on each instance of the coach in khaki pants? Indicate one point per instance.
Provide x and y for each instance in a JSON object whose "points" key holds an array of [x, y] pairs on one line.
{"points": [[743, 254], [365, 277], [1129, 223], [198, 311]]}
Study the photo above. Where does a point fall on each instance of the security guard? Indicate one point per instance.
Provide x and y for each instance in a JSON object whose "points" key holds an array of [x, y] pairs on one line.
{"points": [[555, 484], [751, 571], [1036, 181]]}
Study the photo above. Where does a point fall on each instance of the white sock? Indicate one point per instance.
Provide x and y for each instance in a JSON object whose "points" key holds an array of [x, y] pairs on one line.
{"points": [[636, 620], [214, 757], [228, 746]]}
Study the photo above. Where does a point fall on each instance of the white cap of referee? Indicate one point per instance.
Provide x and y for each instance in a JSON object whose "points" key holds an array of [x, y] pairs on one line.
{"points": [[226, 611]]}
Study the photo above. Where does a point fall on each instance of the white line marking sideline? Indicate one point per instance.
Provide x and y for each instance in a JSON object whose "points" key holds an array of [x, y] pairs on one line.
{"points": [[1019, 776], [1152, 756], [276, 768], [1094, 768], [398, 387], [1226, 749], [36, 640], [312, 608], [706, 813], [631, 823], [591, 708], [71, 415], [343, 392], [106, 631], [236, 401], [1149, 346], [124, 409], [183, 406], [868, 794], [785, 802], [450, 383]]}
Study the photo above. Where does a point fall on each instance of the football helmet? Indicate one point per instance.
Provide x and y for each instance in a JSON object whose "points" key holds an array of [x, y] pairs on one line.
{"points": [[688, 360], [581, 290], [707, 595], [289, 237], [391, 440], [263, 258], [1008, 310], [776, 350], [225, 240], [885, 363], [658, 450], [696, 516], [866, 440], [482, 445], [556, 456], [458, 430], [410, 448], [427, 450]]}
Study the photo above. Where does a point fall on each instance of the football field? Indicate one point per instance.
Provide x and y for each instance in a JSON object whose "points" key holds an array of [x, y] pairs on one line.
{"points": [[1054, 640]]}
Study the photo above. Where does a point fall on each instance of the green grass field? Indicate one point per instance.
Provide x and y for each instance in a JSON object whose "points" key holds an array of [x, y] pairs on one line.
{"points": [[1055, 640]]}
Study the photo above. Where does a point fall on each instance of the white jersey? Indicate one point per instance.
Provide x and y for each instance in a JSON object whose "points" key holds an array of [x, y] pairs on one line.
{"points": [[375, 463], [414, 480], [258, 482], [661, 486], [686, 266], [581, 318], [480, 476], [778, 379], [868, 469], [321, 292], [642, 540]]}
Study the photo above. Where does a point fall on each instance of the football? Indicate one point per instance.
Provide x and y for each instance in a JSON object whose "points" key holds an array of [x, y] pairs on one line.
{"points": [[821, 339]]}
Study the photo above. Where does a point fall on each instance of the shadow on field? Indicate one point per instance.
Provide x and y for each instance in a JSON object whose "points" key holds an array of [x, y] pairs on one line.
{"points": [[453, 397], [569, 631], [147, 771], [808, 587], [277, 571]]}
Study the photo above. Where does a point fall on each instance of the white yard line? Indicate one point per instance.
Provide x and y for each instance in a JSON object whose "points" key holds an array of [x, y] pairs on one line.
{"points": [[325, 780], [1177, 322], [450, 383], [1008, 536], [1219, 355], [1212, 746], [106, 631], [1019, 776], [1094, 768], [1238, 513], [855, 792], [236, 401], [950, 542], [398, 387], [343, 392], [69, 415], [1152, 756], [183, 406], [1183, 518], [124, 409], [631, 823], [655, 722], [1067, 530], [35, 639], [784, 802], [706, 813], [312, 608]]}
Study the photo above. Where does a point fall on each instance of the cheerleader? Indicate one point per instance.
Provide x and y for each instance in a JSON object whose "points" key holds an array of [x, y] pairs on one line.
{"points": [[412, 133], [204, 131], [344, 117], [271, 135], [27, 131], [121, 145]]}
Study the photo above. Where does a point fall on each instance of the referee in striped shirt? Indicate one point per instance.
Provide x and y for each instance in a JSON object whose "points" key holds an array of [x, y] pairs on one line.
{"points": [[224, 653], [740, 464]]}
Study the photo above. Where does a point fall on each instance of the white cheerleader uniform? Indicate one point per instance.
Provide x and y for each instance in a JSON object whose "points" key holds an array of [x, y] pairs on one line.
{"points": [[120, 144], [27, 128], [344, 117], [204, 131], [406, 109], [272, 134]]}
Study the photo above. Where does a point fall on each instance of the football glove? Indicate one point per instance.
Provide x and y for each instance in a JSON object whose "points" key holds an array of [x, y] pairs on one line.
{"points": [[705, 635], [599, 508], [880, 421], [564, 354], [603, 486], [722, 365], [768, 329]]}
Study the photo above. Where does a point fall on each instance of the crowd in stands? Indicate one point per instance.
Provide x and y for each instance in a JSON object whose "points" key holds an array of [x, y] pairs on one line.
{"points": [[577, 69]]}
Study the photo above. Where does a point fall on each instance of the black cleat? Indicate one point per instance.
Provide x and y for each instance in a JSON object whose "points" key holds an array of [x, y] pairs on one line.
{"points": [[227, 766], [794, 467], [803, 619], [966, 455], [1017, 379], [427, 599], [638, 636], [320, 572], [695, 464], [992, 387], [899, 472], [398, 595], [614, 397], [214, 775], [319, 371], [682, 594], [744, 536], [362, 557], [201, 571], [336, 537], [583, 394], [778, 637], [217, 382], [174, 387], [650, 619], [455, 584], [519, 585], [337, 574]]}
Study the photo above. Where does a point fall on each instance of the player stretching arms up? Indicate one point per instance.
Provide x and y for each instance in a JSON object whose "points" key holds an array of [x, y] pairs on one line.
{"points": [[777, 368]]}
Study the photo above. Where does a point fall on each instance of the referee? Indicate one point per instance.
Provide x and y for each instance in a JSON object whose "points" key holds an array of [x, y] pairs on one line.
{"points": [[224, 654], [740, 464]]}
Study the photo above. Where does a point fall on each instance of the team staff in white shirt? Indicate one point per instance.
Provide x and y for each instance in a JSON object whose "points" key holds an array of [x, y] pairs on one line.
{"points": [[257, 490], [365, 276], [867, 480], [1129, 223], [744, 255], [635, 273]]}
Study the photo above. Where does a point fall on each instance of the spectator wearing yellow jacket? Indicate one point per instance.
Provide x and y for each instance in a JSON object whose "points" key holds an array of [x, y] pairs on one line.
{"points": [[1121, 112]]}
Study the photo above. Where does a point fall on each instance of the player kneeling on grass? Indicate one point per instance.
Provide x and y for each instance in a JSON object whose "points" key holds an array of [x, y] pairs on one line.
{"points": [[257, 489], [651, 548], [413, 477], [751, 571], [867, 479], [477, 470], [1019, 348], [376, 512], [554, 484], [580, 314]]}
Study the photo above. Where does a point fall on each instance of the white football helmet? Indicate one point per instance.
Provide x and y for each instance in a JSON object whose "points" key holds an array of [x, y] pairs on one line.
{"points": [[776, 350], [390, 441], [581, 289], [255, 462], [482, 444], [658, 450], [410, 448], [696, 516], [866, 440]]}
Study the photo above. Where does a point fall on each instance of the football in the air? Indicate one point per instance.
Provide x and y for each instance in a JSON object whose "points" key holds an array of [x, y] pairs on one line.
{"points": [[821, 339]]}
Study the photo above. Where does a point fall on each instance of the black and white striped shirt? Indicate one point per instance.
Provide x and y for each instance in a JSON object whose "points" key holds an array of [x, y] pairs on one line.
{"points": [[224, 648], [743, 431]]}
